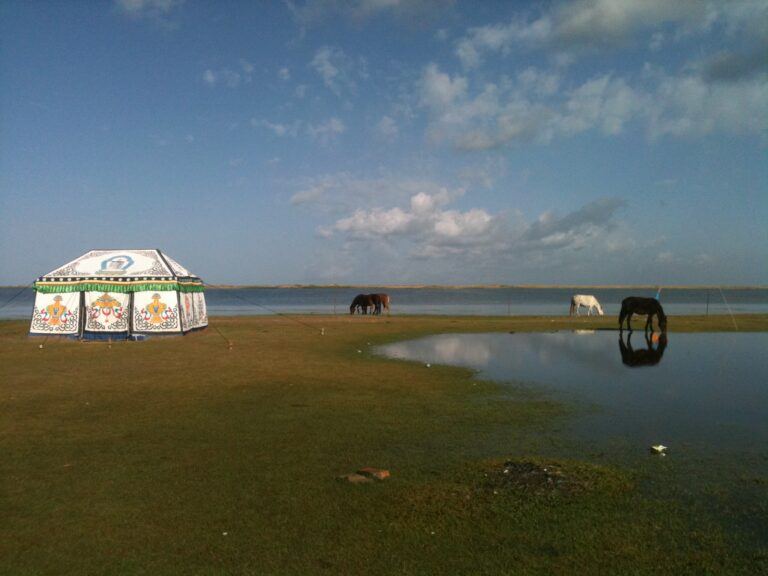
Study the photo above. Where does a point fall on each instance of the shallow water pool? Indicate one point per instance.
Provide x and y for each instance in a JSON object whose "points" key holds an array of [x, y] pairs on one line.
{"points": [[699, 394]]}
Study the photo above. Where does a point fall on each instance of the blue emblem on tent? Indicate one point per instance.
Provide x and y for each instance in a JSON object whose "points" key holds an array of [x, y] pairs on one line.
{"points": [[116, 264]]}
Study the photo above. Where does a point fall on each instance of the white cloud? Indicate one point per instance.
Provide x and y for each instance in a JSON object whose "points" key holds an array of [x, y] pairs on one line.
{"points": [[277, 128], [246, 66], [387, 129], [580, 24], [336, 69], [439, 90], [313, 12], [572, 231], [428, 228], [229, 77], [533, 108], [326, 131], [284, 74], [153, 9], [342, 192], [665, 257], [691, 106], [209, 77]]}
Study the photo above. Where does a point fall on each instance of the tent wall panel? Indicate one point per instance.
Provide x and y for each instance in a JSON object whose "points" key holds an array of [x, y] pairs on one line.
{"points": [[200, 310], [156, 312], [56, 314], [107, 312]]}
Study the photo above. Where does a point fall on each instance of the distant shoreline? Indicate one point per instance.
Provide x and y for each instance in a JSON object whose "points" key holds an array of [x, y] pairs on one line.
{"points": [[466, 287], [477, 287]]}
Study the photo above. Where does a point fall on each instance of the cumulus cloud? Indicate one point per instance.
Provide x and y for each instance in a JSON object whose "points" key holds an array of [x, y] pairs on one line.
{"points": [[152, 9], [426, 226], [326, 131], [533, 108], [577, 25], [573, 230], [342, 191], [728, 66], [284, 74], [277, 128], [337, 70], [231, 78], [692, 106], [439, 90], [314, 12], [387, 129]]}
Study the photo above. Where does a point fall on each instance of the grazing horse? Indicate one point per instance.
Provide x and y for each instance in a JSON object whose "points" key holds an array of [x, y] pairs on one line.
{"points": [[379, 301], [589, 302], [644, 306], [361, 302], [648, 356]]}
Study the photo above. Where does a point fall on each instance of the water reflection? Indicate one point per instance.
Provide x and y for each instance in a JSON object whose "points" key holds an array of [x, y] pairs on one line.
{"points": [[648, 356], [710, 391]]}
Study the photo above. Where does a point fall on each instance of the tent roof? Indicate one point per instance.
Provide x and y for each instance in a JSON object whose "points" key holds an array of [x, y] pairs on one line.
{"points": [[119, 265]]}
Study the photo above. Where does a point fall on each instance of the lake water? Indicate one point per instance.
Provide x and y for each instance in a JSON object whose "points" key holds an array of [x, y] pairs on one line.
{"points": [[463, 301], [704, 390], [705, 397]]}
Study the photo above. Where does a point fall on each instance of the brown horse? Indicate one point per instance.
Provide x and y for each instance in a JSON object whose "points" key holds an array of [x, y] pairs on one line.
{"points": [[648, 356], [362, 302], [643, 306], [380, 301]]}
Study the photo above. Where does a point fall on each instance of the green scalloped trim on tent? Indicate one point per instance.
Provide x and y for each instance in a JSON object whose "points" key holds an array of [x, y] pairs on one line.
{"points": [[95, 286]]}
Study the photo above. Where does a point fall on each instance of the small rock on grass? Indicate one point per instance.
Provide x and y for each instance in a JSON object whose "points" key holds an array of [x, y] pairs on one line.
{"points": [[355, 478], [377, 473]]}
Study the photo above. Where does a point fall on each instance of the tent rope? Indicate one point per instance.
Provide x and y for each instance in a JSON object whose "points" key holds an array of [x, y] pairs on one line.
{"points": [[270, 310], [733, 319], [17, 294]]}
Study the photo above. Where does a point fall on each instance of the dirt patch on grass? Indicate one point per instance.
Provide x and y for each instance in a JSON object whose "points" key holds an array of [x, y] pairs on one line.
{"points": [[539, 477]]}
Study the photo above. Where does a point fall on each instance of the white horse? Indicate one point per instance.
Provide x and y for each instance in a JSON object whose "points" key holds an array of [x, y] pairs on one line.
{"points": [[589, 302]]}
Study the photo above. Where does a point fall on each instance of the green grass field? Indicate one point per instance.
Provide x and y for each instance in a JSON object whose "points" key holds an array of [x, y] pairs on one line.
{"points": [[186, 456]]}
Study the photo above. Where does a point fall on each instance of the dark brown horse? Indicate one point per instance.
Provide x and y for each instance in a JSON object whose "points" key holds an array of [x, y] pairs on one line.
{"points": [[380, 301], [644, 306], [648, 356], [362, 302]]}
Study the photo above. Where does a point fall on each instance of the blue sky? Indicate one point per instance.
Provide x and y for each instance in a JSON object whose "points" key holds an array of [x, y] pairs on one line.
{"points": [[389, 141]]}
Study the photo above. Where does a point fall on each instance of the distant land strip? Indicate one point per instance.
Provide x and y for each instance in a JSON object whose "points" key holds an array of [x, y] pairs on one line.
{"points": [[471, 286], [483, 286]]}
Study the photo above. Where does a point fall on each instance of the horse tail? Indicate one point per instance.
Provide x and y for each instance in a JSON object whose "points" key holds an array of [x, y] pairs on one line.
{"points": [[622, 315], [573, 306]]}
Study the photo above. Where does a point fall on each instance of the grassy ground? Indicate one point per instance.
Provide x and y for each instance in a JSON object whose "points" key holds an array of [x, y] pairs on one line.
{"points": [[186, 456]]}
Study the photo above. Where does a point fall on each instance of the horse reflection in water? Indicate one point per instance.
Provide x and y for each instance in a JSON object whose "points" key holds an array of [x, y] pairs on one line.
{"points": [[649, 356]]}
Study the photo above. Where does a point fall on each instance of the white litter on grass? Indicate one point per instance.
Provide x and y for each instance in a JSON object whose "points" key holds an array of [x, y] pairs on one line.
{"points": [[359, 351], [428, 365], [659, 449], [224, 533]]}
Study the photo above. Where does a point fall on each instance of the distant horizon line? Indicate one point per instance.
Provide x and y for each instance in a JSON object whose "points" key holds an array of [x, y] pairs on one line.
{"points": [[474, 286]]}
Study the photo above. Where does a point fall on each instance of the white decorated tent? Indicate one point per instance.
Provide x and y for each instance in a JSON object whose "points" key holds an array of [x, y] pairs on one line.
{"points": [[119, 294]]}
